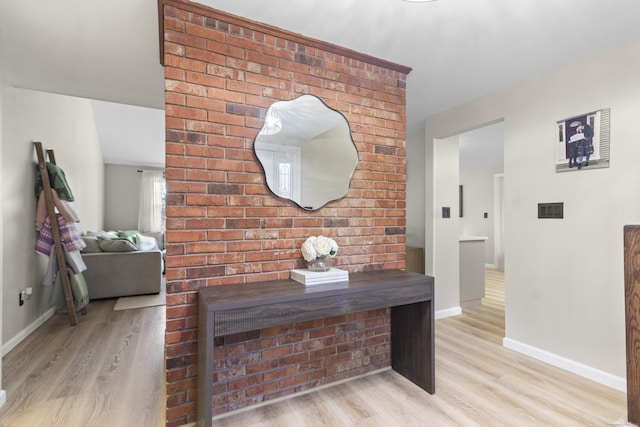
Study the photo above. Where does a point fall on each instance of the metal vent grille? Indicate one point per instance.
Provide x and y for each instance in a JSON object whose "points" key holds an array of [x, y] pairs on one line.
{"points": [[551, 210]]}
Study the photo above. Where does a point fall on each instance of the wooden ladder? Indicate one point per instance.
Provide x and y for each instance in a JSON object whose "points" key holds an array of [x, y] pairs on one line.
{"points": [[55, 230]]}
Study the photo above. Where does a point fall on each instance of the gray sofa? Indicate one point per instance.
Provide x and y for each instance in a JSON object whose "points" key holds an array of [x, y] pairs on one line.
{"points": [[122, 273]]}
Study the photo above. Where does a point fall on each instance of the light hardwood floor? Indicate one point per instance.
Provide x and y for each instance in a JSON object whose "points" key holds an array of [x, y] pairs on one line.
{"points": [[108, 372], [478, 383]]}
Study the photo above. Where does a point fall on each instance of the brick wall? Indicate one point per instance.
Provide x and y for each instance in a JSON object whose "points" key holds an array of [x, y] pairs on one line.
{"points": [[261, 365], [225, 227]]}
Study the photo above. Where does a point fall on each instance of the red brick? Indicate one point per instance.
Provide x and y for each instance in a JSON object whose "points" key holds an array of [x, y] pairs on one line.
{"points": [[186, 187], [203, 32], [171, 73], [185, 236], [210, 105], [205, 200], [295, 359], [204, 247], [185, 63], [224, 49], [204, 79], [279, 373], [205, 175], [294, 380], [243, 87], [186, 113], [174, 123], [204, 127], [178, 211], [225, 118], [276, 353], [243, 246], [175, 98], [185, 39], [243, 233]]}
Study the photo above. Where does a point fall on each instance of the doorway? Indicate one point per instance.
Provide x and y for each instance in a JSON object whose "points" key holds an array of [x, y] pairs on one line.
{"points": [[481, 175]]}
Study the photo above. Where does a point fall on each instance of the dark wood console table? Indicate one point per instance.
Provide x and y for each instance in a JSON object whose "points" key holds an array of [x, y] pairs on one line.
{"points": [[230, 309]]}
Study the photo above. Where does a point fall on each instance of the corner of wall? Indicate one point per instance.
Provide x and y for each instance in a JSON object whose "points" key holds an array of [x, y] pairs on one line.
{"points": [[585, 371], [2, 392], [448, 312], [65, 125], [415, 189]]}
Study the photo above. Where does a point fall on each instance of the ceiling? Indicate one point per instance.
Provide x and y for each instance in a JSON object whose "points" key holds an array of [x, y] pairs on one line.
{"points": [[458, 49]]}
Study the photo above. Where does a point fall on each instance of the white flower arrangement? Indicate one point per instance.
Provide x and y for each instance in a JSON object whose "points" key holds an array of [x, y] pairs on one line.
{"points": [[319, 247]]}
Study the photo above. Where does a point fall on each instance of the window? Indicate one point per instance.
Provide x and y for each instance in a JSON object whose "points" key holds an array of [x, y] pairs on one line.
{"points": [[151, 212]]}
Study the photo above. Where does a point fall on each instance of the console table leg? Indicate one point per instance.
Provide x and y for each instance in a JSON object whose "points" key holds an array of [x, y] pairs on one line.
{"points": [[205, 368], [412, 343]]}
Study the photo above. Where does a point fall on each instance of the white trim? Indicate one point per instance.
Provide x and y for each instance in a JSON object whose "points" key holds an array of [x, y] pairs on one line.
{"points": [[498, 221], [572, 366], [3, 398], [448, 312], [17, 339], [491, 266]]}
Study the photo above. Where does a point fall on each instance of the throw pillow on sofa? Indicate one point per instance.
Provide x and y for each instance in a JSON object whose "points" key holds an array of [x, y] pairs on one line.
{"points": [[157, 235], [146, 243], [130, 235], [118, 244], [91, 243]]}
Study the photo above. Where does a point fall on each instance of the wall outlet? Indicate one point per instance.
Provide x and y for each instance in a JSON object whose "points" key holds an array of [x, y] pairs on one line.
{"points": [[24, 295]]}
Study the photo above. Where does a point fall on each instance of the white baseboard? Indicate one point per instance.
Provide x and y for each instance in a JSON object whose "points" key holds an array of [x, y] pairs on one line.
{"points": [[491, 266], [448, 312], [572, 366], [3, 398], [17, 339]]}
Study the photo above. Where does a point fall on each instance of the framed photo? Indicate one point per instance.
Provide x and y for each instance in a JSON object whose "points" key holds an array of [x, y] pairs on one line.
{"points": [[583, 141]]}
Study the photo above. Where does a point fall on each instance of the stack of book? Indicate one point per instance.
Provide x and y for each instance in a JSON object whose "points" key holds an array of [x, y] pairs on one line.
{"points": [[308, 277]]}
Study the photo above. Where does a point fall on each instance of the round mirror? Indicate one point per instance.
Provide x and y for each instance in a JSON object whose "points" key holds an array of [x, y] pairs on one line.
{"points": [[306, 151]]}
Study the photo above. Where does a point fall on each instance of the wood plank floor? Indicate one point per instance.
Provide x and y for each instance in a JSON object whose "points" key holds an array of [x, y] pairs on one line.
{"points": [[478, 383], [106, 371]]}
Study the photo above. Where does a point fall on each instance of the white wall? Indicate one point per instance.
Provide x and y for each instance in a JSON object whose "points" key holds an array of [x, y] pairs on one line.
{"points": [[564, 278], [477, 199], [415, 190], [2, 392], [122, 197], [446, 174], [66, 125]]}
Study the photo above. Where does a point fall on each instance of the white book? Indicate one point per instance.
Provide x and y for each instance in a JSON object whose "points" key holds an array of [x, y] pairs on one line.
{"points": [[308, 277]]}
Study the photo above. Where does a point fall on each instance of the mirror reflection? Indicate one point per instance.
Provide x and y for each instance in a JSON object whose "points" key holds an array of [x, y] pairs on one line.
{"points": [[306, 151]]}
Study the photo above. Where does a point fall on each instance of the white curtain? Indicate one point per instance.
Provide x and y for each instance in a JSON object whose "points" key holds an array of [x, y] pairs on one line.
{"points": [[151, 202]]}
